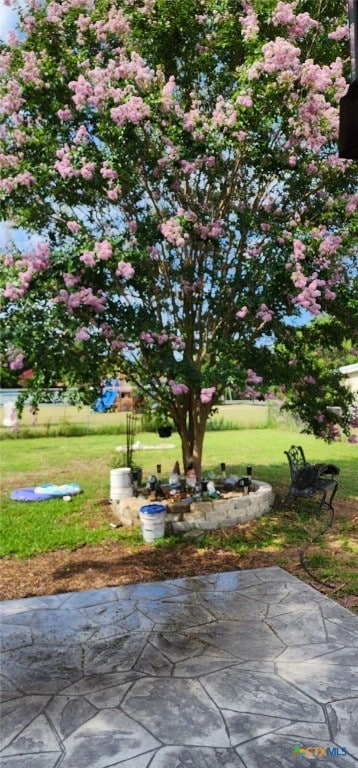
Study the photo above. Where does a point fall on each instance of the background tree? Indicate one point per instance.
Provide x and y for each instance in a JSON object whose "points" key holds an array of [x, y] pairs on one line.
{"points": [[175, 162]]}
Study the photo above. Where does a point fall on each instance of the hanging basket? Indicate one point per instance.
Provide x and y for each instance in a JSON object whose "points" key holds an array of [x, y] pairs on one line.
{"points": [[165, 431]]}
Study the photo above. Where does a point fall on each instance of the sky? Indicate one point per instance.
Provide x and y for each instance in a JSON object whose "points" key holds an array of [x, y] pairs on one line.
{"points": [[7, 20]]}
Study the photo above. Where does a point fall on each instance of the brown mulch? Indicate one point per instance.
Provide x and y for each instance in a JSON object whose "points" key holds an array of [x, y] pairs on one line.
{"points": [[114, 564]]}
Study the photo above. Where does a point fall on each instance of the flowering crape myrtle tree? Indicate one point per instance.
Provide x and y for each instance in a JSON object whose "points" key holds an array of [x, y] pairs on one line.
{"points": [[174, 166]]}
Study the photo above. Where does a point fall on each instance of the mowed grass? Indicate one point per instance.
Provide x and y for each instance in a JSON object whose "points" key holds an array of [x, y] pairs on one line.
{"points": [[30, 528]]}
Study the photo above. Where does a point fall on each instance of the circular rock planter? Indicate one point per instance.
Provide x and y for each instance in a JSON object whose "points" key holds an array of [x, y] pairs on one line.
{"points": [[182, 516]]}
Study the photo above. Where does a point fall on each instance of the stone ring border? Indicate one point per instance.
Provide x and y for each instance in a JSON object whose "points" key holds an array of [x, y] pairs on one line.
{"points": [[202, 515]]}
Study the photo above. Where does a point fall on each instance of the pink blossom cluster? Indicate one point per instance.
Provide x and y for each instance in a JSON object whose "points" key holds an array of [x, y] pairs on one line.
{"points": [[265, 314], [252, 377], [168, 92], [194, 287], [64, 114], [63, 165], [242, 312], [30, 71], [5, 62], [151, 338], [25, 178], [173, 232], [330, 244], [255, 250], [206, 394], [321, 78], [135, 110], [224, 114], [317, 122], [82, 91], [13, 39], [299, 249], [82, 22], [244, 100], [250, 393], [340, 33], [213, 229], [352, 203], [106, 331], [55, 10], [177, 342], [36, 260], [88, 258], [281, 56], [249, 22], [311, 290], [70, 280], [139, 72], [170, 156], [190, 167], [297, 25], [81, 136], [319, 417], [147, 337], [13, 292], [119, 344], [177, 388], [311, 287], [192, 118], [73, 226], [19, 137], [154, 252], [103, 250], [15, 358], [114, 193], [172, 229], [116, 24], [13, 99], [83, 297], [82, 334], [124, 270], [107, 172]]}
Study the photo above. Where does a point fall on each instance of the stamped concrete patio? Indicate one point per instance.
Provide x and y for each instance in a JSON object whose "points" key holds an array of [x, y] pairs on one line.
{"points": [[249, 668]]}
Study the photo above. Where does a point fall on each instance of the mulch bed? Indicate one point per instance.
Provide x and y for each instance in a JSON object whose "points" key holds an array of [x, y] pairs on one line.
{"points": [[114, 564]]}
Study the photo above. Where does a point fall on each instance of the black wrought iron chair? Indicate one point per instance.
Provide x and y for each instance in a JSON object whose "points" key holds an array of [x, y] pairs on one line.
{"points": [[307, 479]]}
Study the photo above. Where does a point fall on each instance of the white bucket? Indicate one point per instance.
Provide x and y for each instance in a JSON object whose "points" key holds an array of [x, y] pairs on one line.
{"points": [[121, 484], [152, 520]]}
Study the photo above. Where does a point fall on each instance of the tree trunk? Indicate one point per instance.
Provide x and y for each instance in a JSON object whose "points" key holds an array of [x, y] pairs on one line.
{"points": [[191, 424]]}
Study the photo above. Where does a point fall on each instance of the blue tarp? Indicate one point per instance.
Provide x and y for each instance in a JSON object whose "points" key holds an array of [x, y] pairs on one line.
{"points": [[108, 397]]}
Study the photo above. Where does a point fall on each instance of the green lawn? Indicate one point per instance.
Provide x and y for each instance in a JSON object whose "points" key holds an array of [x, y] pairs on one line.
{"points": [[30, 528]]}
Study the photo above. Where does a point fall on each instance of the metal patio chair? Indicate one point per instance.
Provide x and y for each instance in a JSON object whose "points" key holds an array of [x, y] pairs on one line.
{"points": [[307, 479]]}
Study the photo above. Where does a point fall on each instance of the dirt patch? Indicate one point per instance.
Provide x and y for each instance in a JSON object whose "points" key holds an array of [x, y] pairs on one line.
{"points": [[113, 564]]}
